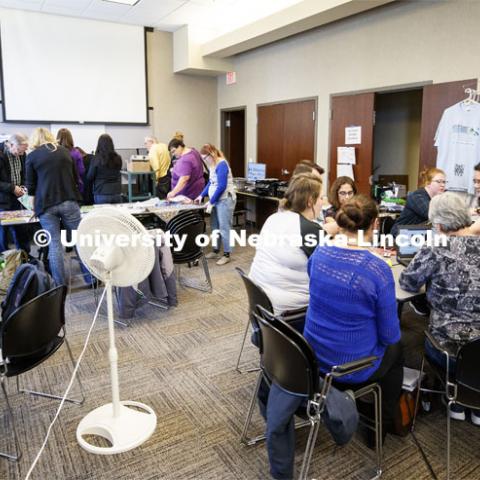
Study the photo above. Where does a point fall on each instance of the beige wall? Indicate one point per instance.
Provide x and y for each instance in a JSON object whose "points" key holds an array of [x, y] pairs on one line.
{"points": [[181, 102], [402, 43]]}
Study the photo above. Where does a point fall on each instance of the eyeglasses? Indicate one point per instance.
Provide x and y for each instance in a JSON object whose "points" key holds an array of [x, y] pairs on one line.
{"points": [[440, 182], [476, 182], [346, 194]]}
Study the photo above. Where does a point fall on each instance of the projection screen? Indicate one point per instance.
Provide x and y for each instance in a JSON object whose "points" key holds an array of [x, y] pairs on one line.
{"points": [[63, 69]]}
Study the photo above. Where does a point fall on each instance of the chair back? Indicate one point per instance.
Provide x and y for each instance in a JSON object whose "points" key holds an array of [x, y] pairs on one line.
{"points": [[466, 370], [31, 328], [189, 226], [256, 294], [287, 357]]}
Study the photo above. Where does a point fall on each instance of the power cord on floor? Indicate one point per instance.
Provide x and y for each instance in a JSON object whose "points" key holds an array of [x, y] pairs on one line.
{"points": [[67, 391]]}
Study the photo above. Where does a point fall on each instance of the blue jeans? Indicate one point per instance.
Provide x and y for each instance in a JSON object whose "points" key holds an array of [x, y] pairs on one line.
{"points": [[20, 236], [69, 213], [114, 198], [222, 219]]}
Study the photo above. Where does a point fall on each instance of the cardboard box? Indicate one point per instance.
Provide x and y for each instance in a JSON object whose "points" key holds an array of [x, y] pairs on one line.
{"points": [[139, 164]]}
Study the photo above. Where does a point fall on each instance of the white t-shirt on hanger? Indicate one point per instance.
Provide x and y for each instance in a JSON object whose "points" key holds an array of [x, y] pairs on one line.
{"points": [[458, 145]]}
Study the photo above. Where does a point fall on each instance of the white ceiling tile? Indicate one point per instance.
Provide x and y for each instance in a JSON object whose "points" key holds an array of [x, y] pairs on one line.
{"points": [[147, 12], [22, 4]]}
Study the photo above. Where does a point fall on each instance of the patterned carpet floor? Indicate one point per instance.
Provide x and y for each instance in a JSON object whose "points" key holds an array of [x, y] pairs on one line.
{"points": [[181, 363]]}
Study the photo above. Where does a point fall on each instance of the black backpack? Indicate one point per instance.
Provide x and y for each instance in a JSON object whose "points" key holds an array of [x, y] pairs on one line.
{"points": [[29, 281]]}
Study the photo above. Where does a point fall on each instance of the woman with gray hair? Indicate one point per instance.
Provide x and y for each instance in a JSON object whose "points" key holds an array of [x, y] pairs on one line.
{"points": [[450, 273]]}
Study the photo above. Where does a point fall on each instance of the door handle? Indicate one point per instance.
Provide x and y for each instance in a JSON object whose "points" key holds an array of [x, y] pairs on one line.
{"points": [[285, 171]]}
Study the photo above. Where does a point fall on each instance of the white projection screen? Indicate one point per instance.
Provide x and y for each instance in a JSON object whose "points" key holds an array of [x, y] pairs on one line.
{"points": [[62, 69]]}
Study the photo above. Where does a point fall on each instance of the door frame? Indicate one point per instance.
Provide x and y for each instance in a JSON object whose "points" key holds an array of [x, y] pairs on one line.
{"points": [[387, 89], [222, 131], [292, 100]]}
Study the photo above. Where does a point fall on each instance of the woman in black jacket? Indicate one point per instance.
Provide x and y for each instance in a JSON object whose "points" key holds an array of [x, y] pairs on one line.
{"points": [[104, 172]]}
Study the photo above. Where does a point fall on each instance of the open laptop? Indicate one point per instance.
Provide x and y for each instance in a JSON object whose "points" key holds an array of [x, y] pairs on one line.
{"points": [[405, 253]]}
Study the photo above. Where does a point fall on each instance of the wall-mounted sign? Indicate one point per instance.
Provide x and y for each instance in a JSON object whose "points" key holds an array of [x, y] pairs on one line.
{"points": [[353, 135]]}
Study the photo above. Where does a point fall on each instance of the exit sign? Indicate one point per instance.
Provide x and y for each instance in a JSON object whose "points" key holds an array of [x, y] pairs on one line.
{"points": [[231, 78]]}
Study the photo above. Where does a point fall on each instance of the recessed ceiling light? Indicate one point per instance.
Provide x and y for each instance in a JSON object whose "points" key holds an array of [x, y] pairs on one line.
{"points": [[123, 2]]}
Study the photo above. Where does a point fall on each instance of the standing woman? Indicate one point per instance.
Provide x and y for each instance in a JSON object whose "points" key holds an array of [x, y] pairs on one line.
{"points": [[222, 198], [416, 209], [104, 172], [51, 180], [187, 173], [342, 190], [65, 139]]}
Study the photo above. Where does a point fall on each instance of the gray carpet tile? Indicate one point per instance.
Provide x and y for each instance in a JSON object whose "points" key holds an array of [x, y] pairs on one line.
{"points": [[181, 363]]}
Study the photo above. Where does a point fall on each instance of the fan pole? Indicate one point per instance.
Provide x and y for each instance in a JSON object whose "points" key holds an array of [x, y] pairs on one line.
{"points": [[112, 352]]}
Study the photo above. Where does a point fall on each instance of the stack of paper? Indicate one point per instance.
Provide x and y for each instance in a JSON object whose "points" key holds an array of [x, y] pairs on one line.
{"points": [[410, 379]]}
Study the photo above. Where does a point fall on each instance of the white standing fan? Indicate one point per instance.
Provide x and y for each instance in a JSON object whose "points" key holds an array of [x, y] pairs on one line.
{"points": [[121, 266]]}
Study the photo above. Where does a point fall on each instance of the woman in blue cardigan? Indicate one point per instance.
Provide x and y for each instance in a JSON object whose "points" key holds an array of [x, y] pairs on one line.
{"points": [[352, 311]]}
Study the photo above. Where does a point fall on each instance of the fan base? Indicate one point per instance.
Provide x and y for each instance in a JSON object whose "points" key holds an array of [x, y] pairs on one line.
{"points": [[126, 431]]}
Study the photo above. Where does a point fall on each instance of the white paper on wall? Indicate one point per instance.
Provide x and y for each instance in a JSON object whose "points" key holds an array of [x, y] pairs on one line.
{"points": [[345, 170], [346, 155]]}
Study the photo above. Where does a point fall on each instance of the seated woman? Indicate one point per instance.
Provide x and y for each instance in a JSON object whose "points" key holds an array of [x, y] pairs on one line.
{"points": [[280, 268], [342, 190], [451, 274], [104, 172], [352, 311], [416, 208]]}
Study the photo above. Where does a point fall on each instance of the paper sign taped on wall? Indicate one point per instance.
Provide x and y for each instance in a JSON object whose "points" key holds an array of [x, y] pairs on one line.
{"points": [[346, 155], [353, 135]]}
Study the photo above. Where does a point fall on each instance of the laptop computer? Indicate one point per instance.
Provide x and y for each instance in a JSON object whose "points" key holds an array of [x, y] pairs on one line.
{"points": [[406, 251]]}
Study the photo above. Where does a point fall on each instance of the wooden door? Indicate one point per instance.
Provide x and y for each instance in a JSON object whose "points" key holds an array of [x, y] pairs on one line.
{"points": [[436, 98], [298, 135], [233, 140], [270, 121], [353, 110]]}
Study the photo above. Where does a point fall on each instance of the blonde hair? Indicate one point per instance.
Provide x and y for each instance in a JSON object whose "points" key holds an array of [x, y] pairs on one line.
{"points": [[178, 136], [42, 136], [427, 174], [151, 139]]}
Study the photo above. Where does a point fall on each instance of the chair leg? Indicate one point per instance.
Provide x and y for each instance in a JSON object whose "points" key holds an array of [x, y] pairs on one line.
{"points": [[378, 429], [376, 390], [448, 438], [207, 272], [237, 366], [243, 438], [58, 397], [307, 457], [18, 452], [417, 398], [207, 287]]}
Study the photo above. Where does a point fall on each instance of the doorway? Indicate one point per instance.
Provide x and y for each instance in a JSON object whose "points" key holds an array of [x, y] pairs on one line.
{"points": [[232, 131], [396, 146]]}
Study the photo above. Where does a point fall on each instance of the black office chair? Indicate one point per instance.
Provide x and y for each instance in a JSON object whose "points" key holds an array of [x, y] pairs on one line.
{"points": [[289, 361], [191, 225], [256, 296], [460, 387], [28, 337]]}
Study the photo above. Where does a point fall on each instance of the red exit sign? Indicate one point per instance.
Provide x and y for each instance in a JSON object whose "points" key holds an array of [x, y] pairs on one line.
{"points": [[231, 78]]}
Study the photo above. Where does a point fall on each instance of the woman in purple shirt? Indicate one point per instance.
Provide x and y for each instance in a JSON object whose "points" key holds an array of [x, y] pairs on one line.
{"points": [[187, 173]]}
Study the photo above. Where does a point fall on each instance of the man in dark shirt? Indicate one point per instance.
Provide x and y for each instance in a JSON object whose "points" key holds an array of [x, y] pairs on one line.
{"points": [[12, 176]]}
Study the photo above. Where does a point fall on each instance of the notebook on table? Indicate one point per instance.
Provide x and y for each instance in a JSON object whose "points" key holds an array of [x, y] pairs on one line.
{"points": [[406, 251]]}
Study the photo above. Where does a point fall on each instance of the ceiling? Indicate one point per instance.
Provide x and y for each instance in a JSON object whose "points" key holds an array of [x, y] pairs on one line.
{"points": [[212, 17]]}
